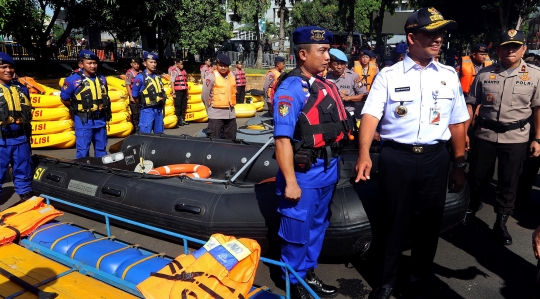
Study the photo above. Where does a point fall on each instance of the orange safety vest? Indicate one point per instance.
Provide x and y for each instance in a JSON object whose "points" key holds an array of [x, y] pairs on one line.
{"points": [[224, 267], [276, 73], [467, 72], [367, 80], [224, 91]]}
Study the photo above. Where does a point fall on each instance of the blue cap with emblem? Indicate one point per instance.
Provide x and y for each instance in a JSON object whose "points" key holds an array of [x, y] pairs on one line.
{"points": [[5, 58], [338, 55], [223, 59], [401, 48], [312, 35], [88, 55], [150, 55], [279, 59]]}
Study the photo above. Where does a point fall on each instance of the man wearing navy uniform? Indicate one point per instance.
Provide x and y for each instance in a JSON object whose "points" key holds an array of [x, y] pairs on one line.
{"points": [[15, 129], [85, 94], [351, 89], [308, 169], [418, 106], [148, 91]]}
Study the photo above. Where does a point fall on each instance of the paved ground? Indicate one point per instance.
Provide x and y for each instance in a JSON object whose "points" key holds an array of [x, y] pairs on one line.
{"points": [[468, 263]]}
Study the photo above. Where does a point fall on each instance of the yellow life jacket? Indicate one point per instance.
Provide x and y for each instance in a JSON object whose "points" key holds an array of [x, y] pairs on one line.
{"points": [[22, 219], [17, 107], [367, 79], [468, 72], [223, 268], [91, 95], [276, 73], [224, 91], [153, 93]]}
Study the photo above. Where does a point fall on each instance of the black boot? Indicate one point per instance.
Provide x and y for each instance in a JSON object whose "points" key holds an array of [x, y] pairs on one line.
{"points": [[25, 196], [298, 292], [500, 230], [381, 293], [318, 286], [185, 123]]}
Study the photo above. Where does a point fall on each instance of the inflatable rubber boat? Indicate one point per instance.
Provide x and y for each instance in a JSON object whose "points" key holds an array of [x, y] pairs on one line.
{"points": [[238, 199]]}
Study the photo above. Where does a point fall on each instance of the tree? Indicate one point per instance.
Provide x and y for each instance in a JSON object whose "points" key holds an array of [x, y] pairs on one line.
{"points": [[250, 11], [318, 12]]}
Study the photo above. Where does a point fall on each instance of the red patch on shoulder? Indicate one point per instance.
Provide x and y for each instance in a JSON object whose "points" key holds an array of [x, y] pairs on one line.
{"points": [[207, 82]]}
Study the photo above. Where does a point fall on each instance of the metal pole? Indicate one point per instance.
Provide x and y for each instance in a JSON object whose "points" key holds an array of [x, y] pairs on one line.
{"points": [[252, 158]]}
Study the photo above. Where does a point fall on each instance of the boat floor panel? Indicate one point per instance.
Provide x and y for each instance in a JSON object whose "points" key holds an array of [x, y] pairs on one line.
{"points": [[33, 269]]}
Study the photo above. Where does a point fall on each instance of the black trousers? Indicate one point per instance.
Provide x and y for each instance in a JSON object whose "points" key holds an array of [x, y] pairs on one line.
{"points": [[227, 125], [180, 103], [413, 194], [135, 114], [240, 94], [510, 157]]}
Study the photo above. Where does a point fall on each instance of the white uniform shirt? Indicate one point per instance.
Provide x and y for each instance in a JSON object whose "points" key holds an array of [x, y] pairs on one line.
{"points": [[420, 91]]}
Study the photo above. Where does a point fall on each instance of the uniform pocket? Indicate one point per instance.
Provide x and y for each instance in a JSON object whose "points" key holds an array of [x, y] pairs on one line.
{"points": [[521, 96], [293, 227], [490, 97]]}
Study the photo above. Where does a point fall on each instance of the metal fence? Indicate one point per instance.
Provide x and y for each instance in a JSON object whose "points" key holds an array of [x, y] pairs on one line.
{"points": [[249, 59]]}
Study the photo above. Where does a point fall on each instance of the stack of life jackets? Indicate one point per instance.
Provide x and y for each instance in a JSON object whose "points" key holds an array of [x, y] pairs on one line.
{"points": [[224, 268], [22, 219]]}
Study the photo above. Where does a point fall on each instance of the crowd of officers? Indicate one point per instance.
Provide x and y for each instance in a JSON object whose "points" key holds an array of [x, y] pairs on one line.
{"points": [[416, 107]]}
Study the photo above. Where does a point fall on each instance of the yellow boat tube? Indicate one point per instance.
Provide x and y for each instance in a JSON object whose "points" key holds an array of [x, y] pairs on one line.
{"points": [[195, 107], [194, 88], [58, 140], [45, 101], [120, 129], [169, 101], [169, 110], [194, 116], [245, 110], [45, 114], [51, 127], [258, 105], [194, 98], [119, 107], [169, 122], [120, 117]]}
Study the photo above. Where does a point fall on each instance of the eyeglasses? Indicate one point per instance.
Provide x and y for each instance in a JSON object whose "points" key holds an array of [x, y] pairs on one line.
{"points": [[434, 35]]}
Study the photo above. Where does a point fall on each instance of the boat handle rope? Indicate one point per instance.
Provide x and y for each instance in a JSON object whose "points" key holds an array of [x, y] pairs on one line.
{"points": [[140, 261], [89, 242], [46, 228], [69, 235], [113, 252]]}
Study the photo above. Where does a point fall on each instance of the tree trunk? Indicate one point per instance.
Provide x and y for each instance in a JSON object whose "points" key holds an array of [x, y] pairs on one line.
{"points": [[258, 62], [282, 27], [378, 26], [350, 24]]}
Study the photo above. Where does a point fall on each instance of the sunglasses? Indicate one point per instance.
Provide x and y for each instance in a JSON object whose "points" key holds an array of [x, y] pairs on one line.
{"points": [[433, 35]]}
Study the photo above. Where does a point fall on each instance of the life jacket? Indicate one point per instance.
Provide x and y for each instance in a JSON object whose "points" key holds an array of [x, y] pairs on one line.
{"points": [[91, 95], [224, 268], [22, 219], [32, 85], [324, 122], [180, 81], [240, 77], [134, 74], [367, 79], [467, 72], [269, 92], [153, 93], [224, 91], [15, 106]]}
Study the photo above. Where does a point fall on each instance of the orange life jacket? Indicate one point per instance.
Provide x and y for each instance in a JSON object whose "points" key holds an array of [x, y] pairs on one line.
{"points": [[224, 91], [32, 85], [467, 72], [367, 80], [276, 73], [223, 268]]}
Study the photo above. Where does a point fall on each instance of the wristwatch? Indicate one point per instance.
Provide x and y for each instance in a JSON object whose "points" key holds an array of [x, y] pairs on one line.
{"points": [[461, 165], [537, 140]]}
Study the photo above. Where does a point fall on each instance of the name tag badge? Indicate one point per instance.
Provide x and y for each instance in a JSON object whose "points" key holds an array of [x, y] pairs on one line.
{"points": [[434, 116], [400, 89]]}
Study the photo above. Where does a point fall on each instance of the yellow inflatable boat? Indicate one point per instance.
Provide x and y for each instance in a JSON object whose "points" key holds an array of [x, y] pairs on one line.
{"points": [[245, 110], [120, 117], [58, 140], [116, 82], [45, 101], [51, 127], [119, 130], [119, 107], [195, 107], [258, 105], [194, 99], [194, 88], [194, 116], [169, 122], [169, 101], [44, 114]]}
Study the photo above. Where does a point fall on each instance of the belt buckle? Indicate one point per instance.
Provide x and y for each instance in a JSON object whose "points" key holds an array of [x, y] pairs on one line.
{"points": [[418, 149]]}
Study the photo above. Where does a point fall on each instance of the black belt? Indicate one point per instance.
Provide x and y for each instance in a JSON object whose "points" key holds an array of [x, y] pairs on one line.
{"points": [[416, 149], [89, 115], [500, 127], [12, 134], [327, 152]]}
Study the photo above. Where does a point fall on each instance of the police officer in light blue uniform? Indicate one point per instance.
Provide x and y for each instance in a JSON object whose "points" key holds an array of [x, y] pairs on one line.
{"points": [[85, 94], [147, 90], [15, 129], [306, 178]]}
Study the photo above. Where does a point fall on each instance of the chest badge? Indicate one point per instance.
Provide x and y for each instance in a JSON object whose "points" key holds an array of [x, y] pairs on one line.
{"points": [[525, 77], [401, 110], [491, 77], [489, 97]]}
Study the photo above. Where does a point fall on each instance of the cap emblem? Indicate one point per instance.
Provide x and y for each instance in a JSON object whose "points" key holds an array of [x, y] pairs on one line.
{"points": [[482, 48], [86, 55], [512, 32], [317, 35]]}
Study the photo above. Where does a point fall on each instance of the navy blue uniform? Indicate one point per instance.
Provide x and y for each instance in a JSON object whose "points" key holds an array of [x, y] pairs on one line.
{"points": [[151, 117]]}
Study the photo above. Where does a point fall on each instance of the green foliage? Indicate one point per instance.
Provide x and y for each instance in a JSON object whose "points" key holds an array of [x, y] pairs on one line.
{"points": [[322, 13]]}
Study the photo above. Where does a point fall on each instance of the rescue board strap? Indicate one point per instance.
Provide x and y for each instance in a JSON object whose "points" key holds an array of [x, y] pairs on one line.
{"points": [[69, 235], [88, 242], [17, 234], [113, 252], [46, 228], [140, 261], [184, 276], [5, 216]]}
